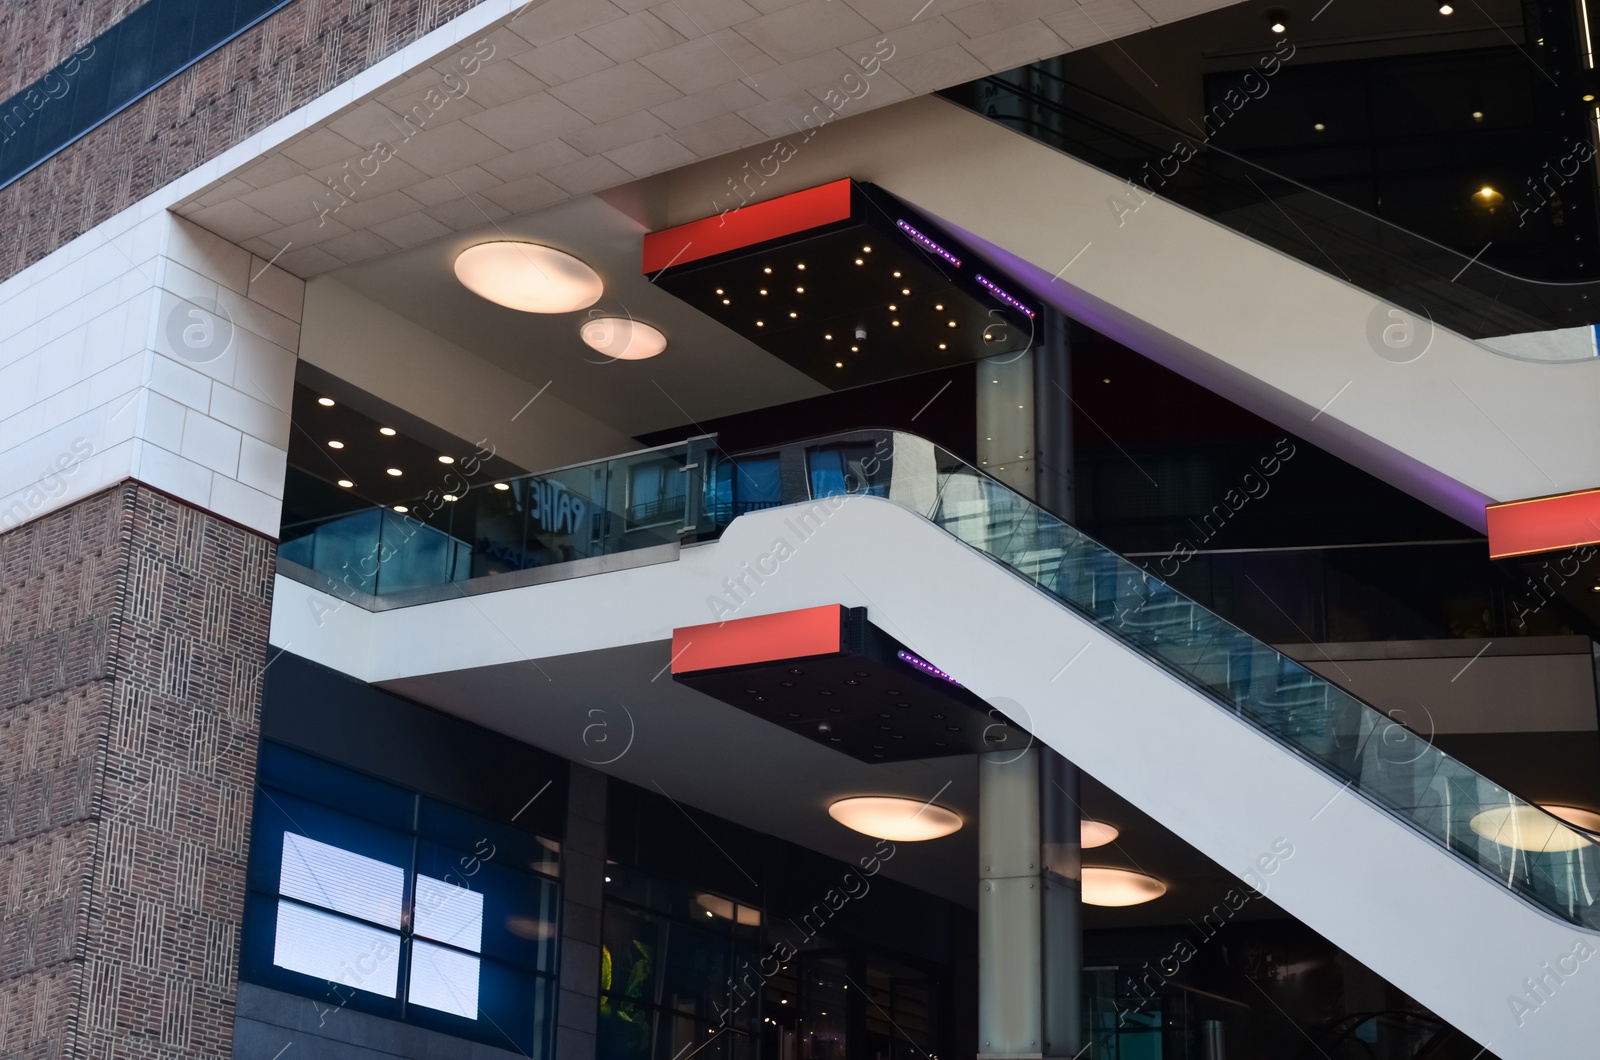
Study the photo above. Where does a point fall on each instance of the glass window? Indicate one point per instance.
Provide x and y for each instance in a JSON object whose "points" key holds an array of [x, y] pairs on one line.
{"points": [[391, 921], [655, 492]]}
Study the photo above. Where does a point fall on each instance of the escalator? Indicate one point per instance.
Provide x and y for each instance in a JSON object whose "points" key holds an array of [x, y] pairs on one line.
{"points": [[1471, 900]]}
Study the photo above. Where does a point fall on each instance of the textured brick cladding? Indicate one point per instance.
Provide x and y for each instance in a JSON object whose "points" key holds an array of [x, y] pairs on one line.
{"points": [[289, 59], [133, 630], [39, 34]]}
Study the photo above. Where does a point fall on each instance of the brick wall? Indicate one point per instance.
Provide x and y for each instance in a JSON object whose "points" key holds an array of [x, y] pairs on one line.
{"points": [[284, 62], [133, 630]]}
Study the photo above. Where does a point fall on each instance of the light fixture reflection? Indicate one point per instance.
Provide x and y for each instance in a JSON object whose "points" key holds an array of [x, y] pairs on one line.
{"points": [[1096, 834], [1119, 887], [1588, 820], [721, 907], [528, 277], [531, 928], [1526, 827], [895, 819], [623, 338]]}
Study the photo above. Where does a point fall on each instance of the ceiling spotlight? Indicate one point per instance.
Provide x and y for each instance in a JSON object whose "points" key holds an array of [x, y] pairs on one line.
{"points": [[828, 337], [1319, 127], [1588, 97], [897, 274], [860, 262], [328, 402], [1477, 115], [402, 509], [447, 460], [1277, 19], [855, 349], [799, 290], [719, 290], [395, 472], [939, 307], [1526, 827], [952, 323], [1119, 887], [894, 323], [624, 338], [528, 277], [866, 250], [905, 290], [451, 497], [767, 270], [892, 308], [793, 314], [801, 266], [345, 483], [895, 819], [726, 301], [838, 364], [501, 486], [761, 324], [763, 290], [1488, 196], [941, 345], [335, 445], [1446, 9], [387, 432], [1096, 834]]}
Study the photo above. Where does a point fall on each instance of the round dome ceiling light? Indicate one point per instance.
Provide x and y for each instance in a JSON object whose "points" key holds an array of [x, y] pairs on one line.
{"points": [[1526, 827], [528, 277], [1588, 820], [1119, 887], [1096, 834], [623, 338], [895, 819]]}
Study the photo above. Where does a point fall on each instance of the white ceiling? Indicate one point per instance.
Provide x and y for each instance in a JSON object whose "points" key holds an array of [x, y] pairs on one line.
{"points": [[707, 370], [713, 758], [576, 96]]}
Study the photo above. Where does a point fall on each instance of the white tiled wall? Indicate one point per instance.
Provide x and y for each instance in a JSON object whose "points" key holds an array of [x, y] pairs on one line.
{"points": [[93, 389]]}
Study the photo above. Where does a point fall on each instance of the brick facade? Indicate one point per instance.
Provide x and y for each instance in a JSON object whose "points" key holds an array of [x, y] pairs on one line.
{"points": [[133, 632], [286, 61]]}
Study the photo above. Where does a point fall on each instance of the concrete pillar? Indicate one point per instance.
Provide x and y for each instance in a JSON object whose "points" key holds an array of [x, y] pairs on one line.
{"points": [[1029, 928], [1052, 415]]}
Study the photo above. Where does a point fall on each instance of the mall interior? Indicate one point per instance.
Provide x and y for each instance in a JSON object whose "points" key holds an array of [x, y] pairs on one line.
{"points": [[799, 530]]}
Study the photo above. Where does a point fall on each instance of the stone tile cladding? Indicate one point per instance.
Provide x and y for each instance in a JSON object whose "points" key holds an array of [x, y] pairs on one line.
{"points": [[284, 62], [133, 633]]}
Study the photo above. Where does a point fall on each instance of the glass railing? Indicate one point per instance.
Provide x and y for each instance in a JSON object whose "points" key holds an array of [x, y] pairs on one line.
{"points": [[586, 512], [1453, 289], [691, 492], [1512, 841]]}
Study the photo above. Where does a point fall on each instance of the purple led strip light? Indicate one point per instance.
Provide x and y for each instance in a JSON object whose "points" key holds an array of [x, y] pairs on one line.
{"points": [[927, 667], [928, 243], [1007, 299]]}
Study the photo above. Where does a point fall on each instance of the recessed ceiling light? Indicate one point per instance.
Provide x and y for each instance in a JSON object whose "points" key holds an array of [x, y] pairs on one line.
{"points": [[1477, 115], [1526, 827], [855, 349], [799, 290], [763, 290], [860, 262], [941, 345], [897, 274], [387, 432], [1488, 196], [1105, 380], [801, 266], [346, 483], [325, 402], [895, 819], [893, 308], [828, 337], [1588, 97], [447, 460], [905, 290], [528, 277], [838, 364], [402, 509], [768, 269], [867, 250], [1319, 127], [396, 472], [1446, 9], [894, 323], [501, 486], [952, 323], [1588, 820], [719, 290], [1119, 887], [624, 338], [451, 497], [761, 324], [792, 315], [1096, 834], [335, 445], [726, 301]]}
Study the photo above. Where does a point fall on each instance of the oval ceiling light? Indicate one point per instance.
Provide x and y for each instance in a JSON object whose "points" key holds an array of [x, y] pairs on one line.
{"points": [[528, 277], [1119, 887], [623, 338], [1096, 834], [1588, 820], [895, 819], [1525, 827]]}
